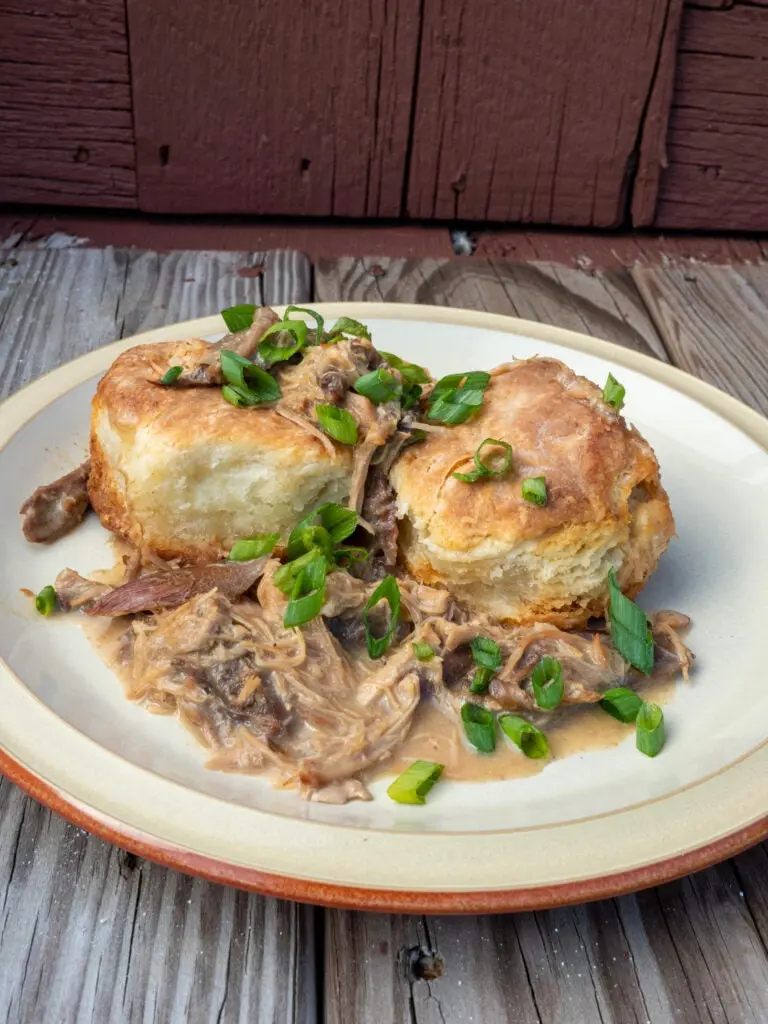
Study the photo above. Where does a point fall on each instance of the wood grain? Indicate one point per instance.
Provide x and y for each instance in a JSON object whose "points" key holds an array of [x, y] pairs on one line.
{"points": [[89, 933], [717, 148], [689, 952], [524, 112], [66, 134], [714, 322], [249, 110]]}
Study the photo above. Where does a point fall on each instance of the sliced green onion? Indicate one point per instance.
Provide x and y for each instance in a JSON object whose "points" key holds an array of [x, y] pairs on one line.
{"points": [[171, 376], [388, 591], [253, 547], [308, 593], [340, 522], [45, 602], [271, 352], [481, 680], [457, 396], [534, 489], [622, 703], [479, 727], [423, 650], [247, 383], [649, 726], [239, 318], [547, 683], [347, 555], [285, 577], [319, 321], [486, 653], [629, 628], [412, 785], [411, 397], [613, 392], [346, 325], [410, 372], [482, 468], [527, 737], [337, 423], [379, 386], [318, 538]]}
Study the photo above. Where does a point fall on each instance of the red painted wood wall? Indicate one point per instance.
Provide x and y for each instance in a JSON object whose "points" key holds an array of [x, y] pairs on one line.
{"points": [[588, 113]]}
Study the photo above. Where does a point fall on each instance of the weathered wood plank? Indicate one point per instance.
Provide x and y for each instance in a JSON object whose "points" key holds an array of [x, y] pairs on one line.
{"points": [[66, 134], [604, 303], [688, 952], [306, 114], [525, 113], [714, 322], [717, 147], [87, 932]]}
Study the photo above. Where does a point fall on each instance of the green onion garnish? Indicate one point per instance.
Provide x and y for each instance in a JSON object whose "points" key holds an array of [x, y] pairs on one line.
{"points": [[411, 397], [629, 628], [613, 392], [481, 680], [547, 683], [479, 727], [457, 396], [346, 325], [308, 593], [535, 490], [347, 555], [253, 547], [486, 654], [239, 318], [45, 602], [649, 726], [317, 537], [247, 384], [622, 703], [423, 650], [410, 372], [272, 352], [412, 785], [527, 737], [171, 376], [388, 591], [319, 321], [338, 423], [379, 386], [340, 522], [285, 577], [483, 468]]}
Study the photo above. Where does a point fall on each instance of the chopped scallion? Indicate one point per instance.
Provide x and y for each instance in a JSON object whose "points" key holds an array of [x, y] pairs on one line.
{"points": [[629, 628], [247, 384], [388, 591], [547, 683], [239, 318], [253, 547], [277, 351], [319, 321], [479, 727], [534, 489], [527, 737], [337, 423], [379, 386], [171, 376], [481, 680], [622, 703], [410, 372], [486, 654], [45, 602], [485, 468], [613, 392], [339, 521], [412, 785], [308, 593], [423, 650], [457, 396], [649, 726], [346, 325]]}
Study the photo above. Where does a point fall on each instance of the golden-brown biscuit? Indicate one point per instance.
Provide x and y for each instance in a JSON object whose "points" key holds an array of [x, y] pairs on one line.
{"points": [[521, 562]]}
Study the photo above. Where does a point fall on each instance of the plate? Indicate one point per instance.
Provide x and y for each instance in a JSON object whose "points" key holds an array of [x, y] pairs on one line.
{"points": [[593, 825]]}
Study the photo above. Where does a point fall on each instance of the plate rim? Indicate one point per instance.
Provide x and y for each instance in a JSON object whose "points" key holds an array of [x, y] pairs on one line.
{"points": [[17, 410]]}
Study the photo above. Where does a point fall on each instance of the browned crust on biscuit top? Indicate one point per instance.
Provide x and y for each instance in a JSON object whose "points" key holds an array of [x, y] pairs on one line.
{"points": [[560, 428]]}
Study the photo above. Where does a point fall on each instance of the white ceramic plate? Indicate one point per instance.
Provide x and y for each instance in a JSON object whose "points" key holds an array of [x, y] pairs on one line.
{"points": [[593, 824]]}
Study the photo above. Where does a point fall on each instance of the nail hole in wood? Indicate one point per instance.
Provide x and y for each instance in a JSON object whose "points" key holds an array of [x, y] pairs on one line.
{"points": [[82, 155], [305, 165], [163, 153], [422, 965]]}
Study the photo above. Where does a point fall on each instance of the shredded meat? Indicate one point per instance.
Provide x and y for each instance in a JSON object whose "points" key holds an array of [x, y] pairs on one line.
{"points": [[56, 509], [75, 591], [205, 370], [171, 588], [380, 509]]}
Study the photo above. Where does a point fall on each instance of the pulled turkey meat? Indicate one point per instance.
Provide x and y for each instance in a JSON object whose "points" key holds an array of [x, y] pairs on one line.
{"points": [[55, 509]]}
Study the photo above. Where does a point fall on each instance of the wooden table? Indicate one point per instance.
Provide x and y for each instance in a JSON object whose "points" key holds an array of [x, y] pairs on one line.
{"points": [[92, 934]]}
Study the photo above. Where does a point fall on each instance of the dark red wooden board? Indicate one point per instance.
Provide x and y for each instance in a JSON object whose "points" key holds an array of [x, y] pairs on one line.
{"points": [[536, 112], [66, 134], [718, 132], [273, 108]]}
